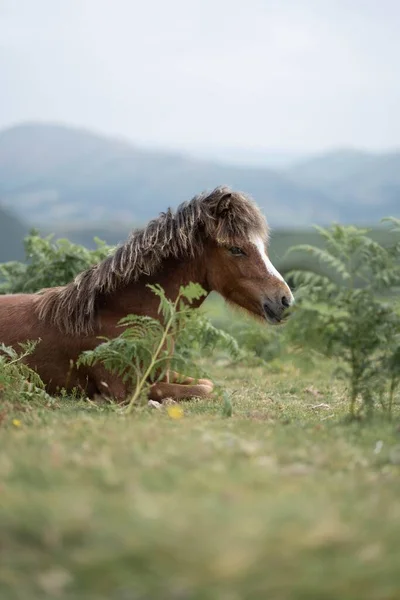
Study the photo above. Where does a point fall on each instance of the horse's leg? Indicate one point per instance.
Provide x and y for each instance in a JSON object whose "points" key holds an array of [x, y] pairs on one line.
{"points": [[174, 377], [112, 386], [177, 391], [108, 386]]}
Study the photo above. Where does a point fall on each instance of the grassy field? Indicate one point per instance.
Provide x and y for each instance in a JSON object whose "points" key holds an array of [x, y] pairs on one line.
{"points": [[282, 501]]}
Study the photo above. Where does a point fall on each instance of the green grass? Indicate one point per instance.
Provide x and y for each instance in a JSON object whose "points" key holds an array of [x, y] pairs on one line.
{"points": [[283, 500]]}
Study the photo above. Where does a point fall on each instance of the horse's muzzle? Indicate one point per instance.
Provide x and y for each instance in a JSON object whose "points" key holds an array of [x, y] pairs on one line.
{"points": [[276, 312]]}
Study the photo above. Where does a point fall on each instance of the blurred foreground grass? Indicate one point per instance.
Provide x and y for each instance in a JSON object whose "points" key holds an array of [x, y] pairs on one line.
{"points": [[281, 501]]}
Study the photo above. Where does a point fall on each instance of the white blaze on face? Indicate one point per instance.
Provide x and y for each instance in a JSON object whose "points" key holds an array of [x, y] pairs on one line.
{"points": [[258, 242]]}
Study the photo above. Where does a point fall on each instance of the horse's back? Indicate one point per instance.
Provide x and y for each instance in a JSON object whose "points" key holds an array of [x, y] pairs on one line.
{"points": [[18, 319]]}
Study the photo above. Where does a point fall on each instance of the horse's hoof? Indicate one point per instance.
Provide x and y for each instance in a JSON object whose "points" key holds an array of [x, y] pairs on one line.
{"points": [[154, 404], [207, 384], [206, 388], [169, 401]]}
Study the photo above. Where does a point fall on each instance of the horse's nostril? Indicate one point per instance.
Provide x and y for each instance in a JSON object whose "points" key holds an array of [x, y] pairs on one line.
{"points": [[285, 301]]}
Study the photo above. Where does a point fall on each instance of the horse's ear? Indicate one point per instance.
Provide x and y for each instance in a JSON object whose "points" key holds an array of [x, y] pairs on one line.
{"points": [[224, 204]]}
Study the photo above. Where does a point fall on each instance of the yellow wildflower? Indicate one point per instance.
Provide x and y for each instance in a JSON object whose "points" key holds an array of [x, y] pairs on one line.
{"points": [[175, 411], [16, 422]]}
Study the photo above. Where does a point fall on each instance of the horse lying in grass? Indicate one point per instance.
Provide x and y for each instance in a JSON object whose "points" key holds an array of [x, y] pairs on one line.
{"points": [[217, 240]]}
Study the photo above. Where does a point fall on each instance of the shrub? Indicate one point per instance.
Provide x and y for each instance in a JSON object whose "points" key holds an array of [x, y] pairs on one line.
{"points": [[49, 264], [257, 339], [351, 313], [18, 382], [147, 348], [258, 342]]}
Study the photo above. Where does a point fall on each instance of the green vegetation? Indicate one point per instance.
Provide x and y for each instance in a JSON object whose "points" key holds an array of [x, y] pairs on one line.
{"points": [[282, 500], [48, 264], [284, 240], [350, 313], [265, 491], [18, 383], [148, 348]]}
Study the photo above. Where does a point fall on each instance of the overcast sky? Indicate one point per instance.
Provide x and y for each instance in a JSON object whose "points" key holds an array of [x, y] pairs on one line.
{"points": [[285, 74]]}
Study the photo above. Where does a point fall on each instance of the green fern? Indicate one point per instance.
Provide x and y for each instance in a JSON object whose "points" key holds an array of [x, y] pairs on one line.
{"points": [[18, 382], [48, 263], [334, 263], [350, 312], [352, 259], [147, 348]]}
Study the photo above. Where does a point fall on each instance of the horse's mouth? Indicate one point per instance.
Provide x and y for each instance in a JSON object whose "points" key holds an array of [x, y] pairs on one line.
{"points": [[271, 315]]}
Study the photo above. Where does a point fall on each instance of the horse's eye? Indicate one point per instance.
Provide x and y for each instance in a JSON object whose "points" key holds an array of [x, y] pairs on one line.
{"points": [[236, 251]]}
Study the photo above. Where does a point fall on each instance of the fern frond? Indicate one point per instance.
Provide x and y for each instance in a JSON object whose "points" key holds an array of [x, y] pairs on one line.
{"points": [[326, 258], [394, 221], [192, 292], [17, 380]]}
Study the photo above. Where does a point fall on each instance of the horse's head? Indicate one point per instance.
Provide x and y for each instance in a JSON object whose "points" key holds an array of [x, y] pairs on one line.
{"points": [[244, 275], [237, 262]]}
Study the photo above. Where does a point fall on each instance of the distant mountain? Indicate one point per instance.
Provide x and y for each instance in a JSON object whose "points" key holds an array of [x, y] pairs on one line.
{"points": [[330, 168], [364, 186], [12, 233], [54, 175], [254, 157]]}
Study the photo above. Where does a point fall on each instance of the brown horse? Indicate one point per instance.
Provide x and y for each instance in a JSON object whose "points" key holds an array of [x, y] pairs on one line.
{"points": [[217, 240]]}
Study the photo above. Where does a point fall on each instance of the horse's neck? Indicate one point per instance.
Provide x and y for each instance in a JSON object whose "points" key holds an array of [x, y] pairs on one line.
{"points": [[136, 298]]}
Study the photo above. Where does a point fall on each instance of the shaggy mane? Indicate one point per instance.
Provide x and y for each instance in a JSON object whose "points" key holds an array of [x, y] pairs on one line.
{"points": [[222, 215]]}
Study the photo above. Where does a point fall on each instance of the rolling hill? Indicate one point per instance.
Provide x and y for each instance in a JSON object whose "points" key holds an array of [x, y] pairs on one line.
{"points": [[330, 168], [56, 176], [364, 186], [12, 232], [54, 173]]}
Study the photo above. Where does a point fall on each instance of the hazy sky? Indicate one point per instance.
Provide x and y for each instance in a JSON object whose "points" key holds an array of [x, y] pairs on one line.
{"points": [[284, 74]]}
